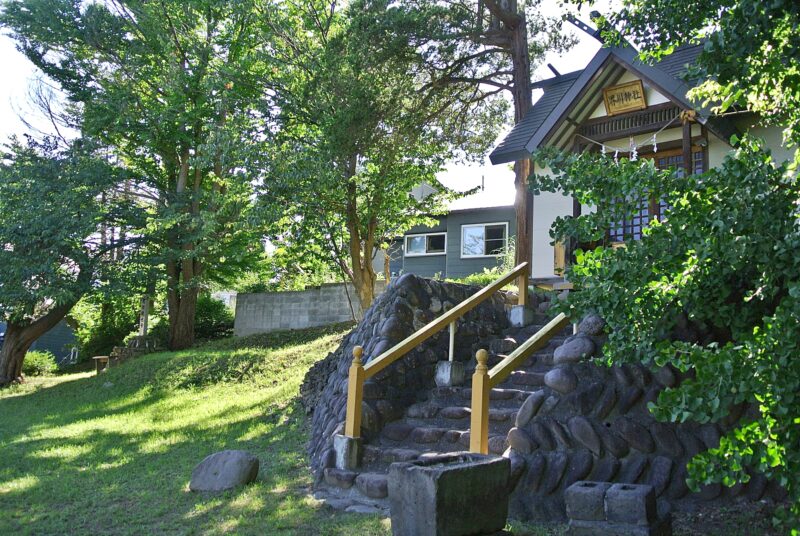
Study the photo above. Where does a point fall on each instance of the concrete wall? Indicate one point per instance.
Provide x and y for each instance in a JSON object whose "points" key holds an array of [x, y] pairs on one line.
{"points": [[272, 311]]}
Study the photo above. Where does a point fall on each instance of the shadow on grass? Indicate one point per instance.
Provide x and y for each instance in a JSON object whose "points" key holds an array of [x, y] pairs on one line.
{"points": [[86, 457]]}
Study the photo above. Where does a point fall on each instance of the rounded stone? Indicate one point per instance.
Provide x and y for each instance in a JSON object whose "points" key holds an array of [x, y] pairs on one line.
{"points": [[605, 404], [665, 376], [632, 468], [497, 444], [660, 473], [582, 430], [519, 440], [542, 436], [224, 470], [580, 465], [561, 380], [614, 444], [554, 472], [665, 439], [529, 408], [605, 469], [578, 348], [592, 325], [635, 434], [536, 467]]}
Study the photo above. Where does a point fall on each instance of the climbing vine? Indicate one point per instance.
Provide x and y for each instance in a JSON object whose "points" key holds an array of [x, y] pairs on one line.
{"points": [[712, 288]]}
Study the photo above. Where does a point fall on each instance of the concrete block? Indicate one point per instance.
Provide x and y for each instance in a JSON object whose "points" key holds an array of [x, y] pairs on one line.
{"points": [[348, 451], [452, 494], [449, 373], [520, 316], [631, 503], [586, 500]]}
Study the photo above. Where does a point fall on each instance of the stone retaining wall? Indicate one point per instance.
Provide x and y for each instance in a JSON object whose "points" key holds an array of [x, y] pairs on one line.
{"points": [[408, 304], [271, 311]]}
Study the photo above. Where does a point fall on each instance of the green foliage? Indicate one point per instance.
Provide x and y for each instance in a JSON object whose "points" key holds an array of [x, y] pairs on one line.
{"points": [[213, 319], [171, 88], [39, 364], [285, 269], [749, 58], [54, 201], [487, 276], [103, 322], [712, 288]]}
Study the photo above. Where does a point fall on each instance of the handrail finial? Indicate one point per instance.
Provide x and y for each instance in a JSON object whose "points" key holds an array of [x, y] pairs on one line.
{"points": [[483, 359], [358, 353]]}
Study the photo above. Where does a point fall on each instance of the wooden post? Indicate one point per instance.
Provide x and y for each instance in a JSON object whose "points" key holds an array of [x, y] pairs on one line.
{"points": [[479, 423], [522, 285], [355, 393], [451, 355], [687, 118]]}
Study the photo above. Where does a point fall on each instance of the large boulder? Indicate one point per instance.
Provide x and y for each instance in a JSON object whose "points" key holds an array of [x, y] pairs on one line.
{"points": [[574, 350], [224, 470]]}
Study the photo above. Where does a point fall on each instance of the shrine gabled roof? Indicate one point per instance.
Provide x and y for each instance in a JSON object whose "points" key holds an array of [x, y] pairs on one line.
{"points": [[562, 93]]}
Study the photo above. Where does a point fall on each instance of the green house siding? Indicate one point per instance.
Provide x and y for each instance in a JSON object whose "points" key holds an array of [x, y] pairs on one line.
{"points": [[452, 264], [59, 340], [458, 266]]}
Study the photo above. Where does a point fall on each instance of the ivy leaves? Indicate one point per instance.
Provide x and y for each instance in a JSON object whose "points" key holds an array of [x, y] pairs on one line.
{"points": [[712, 289]]}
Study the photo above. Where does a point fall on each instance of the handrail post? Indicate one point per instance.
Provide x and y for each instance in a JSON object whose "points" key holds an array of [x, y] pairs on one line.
{"points": [[522, 284], [451, 352], [479, 421], [355, 393]]}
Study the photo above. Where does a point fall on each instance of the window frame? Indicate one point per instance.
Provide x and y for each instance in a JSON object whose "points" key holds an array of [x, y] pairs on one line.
{"points": [[426, 235], [484, 225]]}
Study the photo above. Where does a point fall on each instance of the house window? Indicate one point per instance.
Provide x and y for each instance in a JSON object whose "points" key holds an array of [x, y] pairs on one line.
{"points": [[484, 240], [631, 228], [426, 244]]}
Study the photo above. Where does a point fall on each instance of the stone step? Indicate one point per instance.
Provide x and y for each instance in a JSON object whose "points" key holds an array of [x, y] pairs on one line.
{"points": [[427, 438], [370, 484]]}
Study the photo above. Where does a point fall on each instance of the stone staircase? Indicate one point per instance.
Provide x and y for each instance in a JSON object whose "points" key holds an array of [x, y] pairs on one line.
{"points": [[439, 423]]}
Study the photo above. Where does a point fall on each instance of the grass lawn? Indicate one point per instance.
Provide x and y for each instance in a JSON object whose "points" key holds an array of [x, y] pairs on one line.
{"points": [[112, 454]]}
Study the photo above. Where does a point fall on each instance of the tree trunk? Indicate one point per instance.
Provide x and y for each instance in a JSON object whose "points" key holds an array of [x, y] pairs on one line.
{"points": [[18, 340], [365, 288], [182, 304], [181, 328], [523, 202]]}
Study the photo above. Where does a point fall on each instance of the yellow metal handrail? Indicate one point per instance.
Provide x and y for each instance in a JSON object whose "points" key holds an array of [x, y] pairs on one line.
{"points": [[359, 373], [484, 380]]}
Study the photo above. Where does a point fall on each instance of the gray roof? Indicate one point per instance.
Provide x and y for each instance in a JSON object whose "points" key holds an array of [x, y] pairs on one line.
{"points": [[561, 92]]}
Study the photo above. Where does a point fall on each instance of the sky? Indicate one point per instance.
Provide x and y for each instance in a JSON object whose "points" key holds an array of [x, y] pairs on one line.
{"points": [[19, 75]]}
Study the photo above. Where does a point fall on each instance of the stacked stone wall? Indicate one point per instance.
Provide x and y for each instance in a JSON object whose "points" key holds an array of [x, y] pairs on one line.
{"points": [[408, 304]]}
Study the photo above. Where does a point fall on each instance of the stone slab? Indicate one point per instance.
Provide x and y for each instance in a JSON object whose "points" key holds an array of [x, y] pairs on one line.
{"points": [[438, 496]]}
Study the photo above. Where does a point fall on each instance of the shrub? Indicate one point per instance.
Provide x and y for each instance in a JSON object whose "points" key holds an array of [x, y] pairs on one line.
{"points": [[101, 327], [213, 319], [712, 288], [39, 363]]}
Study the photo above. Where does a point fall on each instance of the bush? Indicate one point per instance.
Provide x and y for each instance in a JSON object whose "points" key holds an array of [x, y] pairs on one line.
{"points": [[101, 327], [38, 363], [713, 288], [213, 319]]}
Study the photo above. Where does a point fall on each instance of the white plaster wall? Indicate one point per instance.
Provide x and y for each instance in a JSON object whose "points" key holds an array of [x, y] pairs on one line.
{"points": [[546, 208], [772, 135]]}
